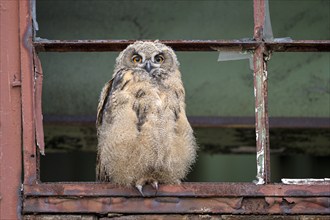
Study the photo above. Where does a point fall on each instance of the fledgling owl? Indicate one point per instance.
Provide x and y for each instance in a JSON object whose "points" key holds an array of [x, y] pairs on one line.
{"points": [[144, 136]]}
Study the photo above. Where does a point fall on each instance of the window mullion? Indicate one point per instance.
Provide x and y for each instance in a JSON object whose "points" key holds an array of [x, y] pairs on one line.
{"points": [[261, 95]]}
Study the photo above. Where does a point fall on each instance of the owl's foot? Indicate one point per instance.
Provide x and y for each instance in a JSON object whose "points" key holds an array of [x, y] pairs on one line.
{"points": [[143, 181]]}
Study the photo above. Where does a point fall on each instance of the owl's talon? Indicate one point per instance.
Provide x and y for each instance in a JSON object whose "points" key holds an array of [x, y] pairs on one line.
{"points": [[154, 185], [140, 187]]}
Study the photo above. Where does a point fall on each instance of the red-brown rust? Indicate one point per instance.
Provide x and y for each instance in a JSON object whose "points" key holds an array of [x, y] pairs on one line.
{"points": [[183, 190], [261, 96], [186, 205], [289, 205], [268, 217], [119, 216], [299, 46], [182, 45], [259, 19], [261, 115], [10, 112], [119, 45]]}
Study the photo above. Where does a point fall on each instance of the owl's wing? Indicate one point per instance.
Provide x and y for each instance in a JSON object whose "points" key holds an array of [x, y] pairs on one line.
{"points": [[103, 100], [119, 81]]}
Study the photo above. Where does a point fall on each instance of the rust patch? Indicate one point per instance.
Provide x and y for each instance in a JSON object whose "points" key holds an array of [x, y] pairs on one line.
{"points": [[43, 45], [184, 205], [182, 190], [255, 205]]}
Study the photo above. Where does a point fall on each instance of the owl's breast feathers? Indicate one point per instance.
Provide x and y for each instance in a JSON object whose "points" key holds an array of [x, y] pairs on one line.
{"points": [[144, 93]]}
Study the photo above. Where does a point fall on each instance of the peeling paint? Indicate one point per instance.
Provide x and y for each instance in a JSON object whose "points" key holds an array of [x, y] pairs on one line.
{"points": [[308, 181], [265, 74], [38, 78], [260, 167], [205, 210]]}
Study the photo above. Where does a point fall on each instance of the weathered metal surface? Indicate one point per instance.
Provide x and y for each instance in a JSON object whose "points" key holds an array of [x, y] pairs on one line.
{"points": [[309, 181], [299, 46], [275, 217], [184, 205], [112, 216], [44, 45], [60, 217], [28, 96], [259, 17], [10, 112], [261, 97], [183, 190], [217, 217]]}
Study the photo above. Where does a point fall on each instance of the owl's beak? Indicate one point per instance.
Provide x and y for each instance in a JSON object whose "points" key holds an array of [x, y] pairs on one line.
{"points": [[148, 66]]}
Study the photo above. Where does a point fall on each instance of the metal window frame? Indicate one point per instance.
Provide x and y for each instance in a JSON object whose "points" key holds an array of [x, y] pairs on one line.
{"points": [[187, 198]]}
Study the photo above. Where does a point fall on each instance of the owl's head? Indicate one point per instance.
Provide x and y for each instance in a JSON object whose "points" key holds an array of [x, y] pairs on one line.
{"points": [[153, 58]]}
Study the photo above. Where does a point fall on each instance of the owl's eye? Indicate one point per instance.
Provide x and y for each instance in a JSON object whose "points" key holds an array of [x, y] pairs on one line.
{"points": [[137, 59], [159, 58]]}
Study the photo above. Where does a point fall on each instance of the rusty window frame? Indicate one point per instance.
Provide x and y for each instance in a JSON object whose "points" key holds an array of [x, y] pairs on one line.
{"points": [[188, 198]]}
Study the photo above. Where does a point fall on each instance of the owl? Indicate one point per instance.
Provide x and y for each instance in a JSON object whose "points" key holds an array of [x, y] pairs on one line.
{"points": [[143, 133]]}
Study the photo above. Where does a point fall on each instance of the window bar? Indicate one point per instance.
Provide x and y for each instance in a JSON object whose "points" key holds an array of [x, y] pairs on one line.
{"points": [[44, 45], [260, 92]]}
